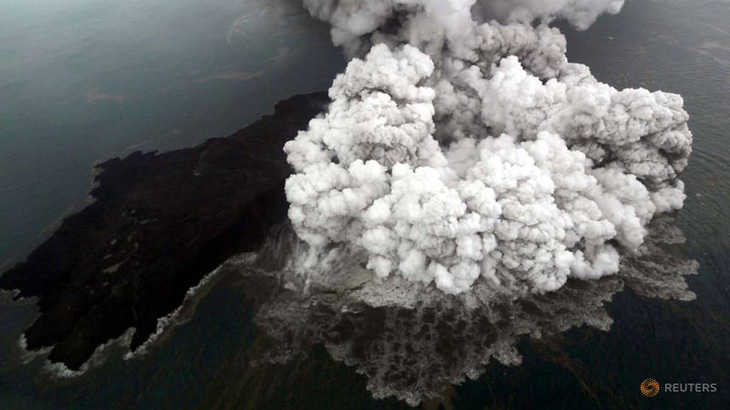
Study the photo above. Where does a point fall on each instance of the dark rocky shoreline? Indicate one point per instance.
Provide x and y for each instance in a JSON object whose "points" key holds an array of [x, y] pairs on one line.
{"points": [[159, 224]]}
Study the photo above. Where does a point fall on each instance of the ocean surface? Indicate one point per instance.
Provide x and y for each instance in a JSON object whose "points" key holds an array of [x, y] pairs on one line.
{"points": [[85, 80], [82, 81]]}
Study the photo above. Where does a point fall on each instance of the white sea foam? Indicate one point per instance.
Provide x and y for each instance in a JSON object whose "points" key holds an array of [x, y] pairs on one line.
{"points": [[177, 317], [99, 357]]}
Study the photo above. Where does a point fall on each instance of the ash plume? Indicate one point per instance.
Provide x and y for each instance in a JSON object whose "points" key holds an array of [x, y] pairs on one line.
{"points": [[581, 13], [461, 148], [468, 187], [415, 350]]}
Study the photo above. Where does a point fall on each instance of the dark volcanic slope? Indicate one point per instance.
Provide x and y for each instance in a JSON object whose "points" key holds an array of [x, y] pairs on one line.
{"points": [[159, 224]]}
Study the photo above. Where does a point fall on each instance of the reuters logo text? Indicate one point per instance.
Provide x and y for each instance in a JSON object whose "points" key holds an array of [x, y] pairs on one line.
{"points": [[650, 387]]}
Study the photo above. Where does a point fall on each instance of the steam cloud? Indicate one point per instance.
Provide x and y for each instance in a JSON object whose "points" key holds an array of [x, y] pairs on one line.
{"points": [[462, 147]]}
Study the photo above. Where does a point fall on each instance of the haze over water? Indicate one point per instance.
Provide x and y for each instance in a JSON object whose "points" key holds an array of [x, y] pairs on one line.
{"points": [[83, 81]]}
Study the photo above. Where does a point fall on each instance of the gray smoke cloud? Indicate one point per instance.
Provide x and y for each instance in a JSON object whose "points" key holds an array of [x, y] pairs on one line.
{"points": [[461, 151], [581, 13], [413, 351]]}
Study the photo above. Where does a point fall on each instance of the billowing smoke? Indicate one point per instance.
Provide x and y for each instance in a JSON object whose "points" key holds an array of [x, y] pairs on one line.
{"points": [[460, 149], [414, 352], [580, 13]]}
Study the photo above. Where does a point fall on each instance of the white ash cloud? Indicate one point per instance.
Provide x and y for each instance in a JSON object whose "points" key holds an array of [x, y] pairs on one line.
{"points": [[458, 151]]}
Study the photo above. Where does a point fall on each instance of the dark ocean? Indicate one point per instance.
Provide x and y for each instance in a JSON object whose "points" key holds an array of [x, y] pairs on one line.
{"points": [[85, 80]]}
